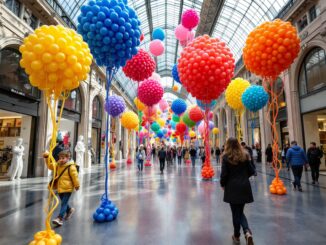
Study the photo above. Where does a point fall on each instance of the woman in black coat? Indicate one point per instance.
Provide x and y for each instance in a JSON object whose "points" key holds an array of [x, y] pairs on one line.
{"points": [[236, 170]]}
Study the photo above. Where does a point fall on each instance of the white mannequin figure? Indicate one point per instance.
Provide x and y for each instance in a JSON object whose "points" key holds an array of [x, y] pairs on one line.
{"points": [[80, 150], [16, 168]]}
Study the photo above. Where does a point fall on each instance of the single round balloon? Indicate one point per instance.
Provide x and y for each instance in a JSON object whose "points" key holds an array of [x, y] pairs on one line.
{"points": [[140, 67], [196, 114], [271, 48], [56, 59], [181, 128], [187, 120], [206, 67], [156, 47], [234, 92], [175, 88], [192, 134], [161, 122], [163, 105], [179, 106], [175, 118], [155, 77], [129, 120], [150, 92], [175, 74], [112, 31], [158, 33], [215, 130], [115, 105], [255, 98], [190, 19], [155, 126], [182, 33]]}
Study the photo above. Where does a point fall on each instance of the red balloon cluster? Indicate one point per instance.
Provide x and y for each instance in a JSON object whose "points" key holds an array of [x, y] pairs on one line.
{"points": [[140, 67], [181, 128], [207, 172], [150, 92], [271, 48], [195, 114], [206, 67]]}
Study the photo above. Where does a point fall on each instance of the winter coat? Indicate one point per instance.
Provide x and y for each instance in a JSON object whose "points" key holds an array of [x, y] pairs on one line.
{"points": [[162, 154], [193, 152], [314, 155], [68, 180], [235, 180], [296, 156], [269, 154]]}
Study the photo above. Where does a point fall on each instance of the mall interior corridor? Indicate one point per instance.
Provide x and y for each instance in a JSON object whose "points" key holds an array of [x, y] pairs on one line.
{"points": [[177, 207]]}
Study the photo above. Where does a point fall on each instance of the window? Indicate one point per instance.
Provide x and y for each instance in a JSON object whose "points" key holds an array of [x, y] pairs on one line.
{"points": [[73, 102], [14, 6], [313, 71], [313, 13], [96, 109], [302, 23], [12, 76]]}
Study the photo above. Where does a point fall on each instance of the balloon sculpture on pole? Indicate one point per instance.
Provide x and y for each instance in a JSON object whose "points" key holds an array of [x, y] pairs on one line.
{"points": [[56, 60], [213, 64], [114, 106], [150, 93], [233, 95], [130, 121], [270, 49], [112, 30]]}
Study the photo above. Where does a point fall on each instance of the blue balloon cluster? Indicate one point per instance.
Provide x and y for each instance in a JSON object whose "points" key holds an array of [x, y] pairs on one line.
{"points": [[254, 98], [179, 106], [106, 212], [175, 73], [111, 29], [158, 33], [159, 134], [203, 105]]}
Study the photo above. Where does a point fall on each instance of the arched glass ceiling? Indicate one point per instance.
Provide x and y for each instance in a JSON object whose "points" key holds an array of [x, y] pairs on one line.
{"points": [[236, 19]]}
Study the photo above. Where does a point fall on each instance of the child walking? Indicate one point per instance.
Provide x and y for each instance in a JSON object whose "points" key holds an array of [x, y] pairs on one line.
{"points": [[65, 182]]}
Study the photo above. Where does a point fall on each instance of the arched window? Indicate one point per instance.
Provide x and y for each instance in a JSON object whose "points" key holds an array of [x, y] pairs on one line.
{"points": [[12, 76], [73, 102], [97, 110], [313, 71]]}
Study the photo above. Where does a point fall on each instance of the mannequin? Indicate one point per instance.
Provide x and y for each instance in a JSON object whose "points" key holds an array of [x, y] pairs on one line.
{"points": [[80, 150], [16, 168]]}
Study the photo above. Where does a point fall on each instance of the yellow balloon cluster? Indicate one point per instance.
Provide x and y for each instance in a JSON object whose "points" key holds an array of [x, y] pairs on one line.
{"points": [[129, 120], [161, 122], [47, 237], [192, 134], [215, 130], [140, 106], [234, 93], [56, 58]]}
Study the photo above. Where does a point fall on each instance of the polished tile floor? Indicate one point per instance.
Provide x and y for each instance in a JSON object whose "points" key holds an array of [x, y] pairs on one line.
{"points": [[174, 208]]}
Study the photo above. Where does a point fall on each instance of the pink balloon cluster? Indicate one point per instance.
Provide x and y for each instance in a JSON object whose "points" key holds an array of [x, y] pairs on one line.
{"points": [[150, 92], [163, 105], [190, 19]]}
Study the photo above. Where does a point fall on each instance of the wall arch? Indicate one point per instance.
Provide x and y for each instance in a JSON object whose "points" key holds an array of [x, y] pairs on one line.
{"points": [[12, 42]]}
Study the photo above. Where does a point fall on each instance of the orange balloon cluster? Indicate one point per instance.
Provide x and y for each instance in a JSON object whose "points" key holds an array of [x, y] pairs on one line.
{"points": [[271, 48], [207, 172], [277, 187]]}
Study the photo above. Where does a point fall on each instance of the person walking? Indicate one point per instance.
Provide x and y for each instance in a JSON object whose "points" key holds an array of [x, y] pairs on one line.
{"points": [[217, 154], [269, 155], [234, 179], [296, 158], [179, 155], [250, 152], [314, 154], [193, 155], [162, 157], [141, 155]]}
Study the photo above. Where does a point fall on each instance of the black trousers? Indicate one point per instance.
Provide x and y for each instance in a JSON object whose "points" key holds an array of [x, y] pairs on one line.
{"points": [[239, 219], [179, 160], [162, 164], [297, 173], [314, 172]]}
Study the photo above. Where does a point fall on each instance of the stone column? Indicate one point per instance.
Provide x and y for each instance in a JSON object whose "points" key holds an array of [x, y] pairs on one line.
{"points": [[265, 132], [244, 126], [118, 138], [221, 134], [230, 122]]}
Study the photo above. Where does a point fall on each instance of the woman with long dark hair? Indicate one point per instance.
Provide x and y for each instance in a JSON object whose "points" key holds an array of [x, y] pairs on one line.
{"points": [[236, 170]]}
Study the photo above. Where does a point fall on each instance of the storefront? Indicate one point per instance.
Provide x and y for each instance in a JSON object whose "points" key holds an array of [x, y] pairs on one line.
{"points": [[19, 103], [253, 128], [96, 129], [312, 88], [71, 116]]}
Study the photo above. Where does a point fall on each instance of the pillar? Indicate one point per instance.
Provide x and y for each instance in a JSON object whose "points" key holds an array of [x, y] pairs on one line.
{"points": [[266, 132], [230, 123]]}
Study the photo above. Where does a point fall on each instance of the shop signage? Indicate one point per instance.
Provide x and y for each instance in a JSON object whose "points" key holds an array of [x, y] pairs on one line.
{"points": [[17, 92]]}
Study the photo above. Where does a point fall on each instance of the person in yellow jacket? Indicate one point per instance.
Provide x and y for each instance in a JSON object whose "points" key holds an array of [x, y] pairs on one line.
{"points": [[65, 182]]}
